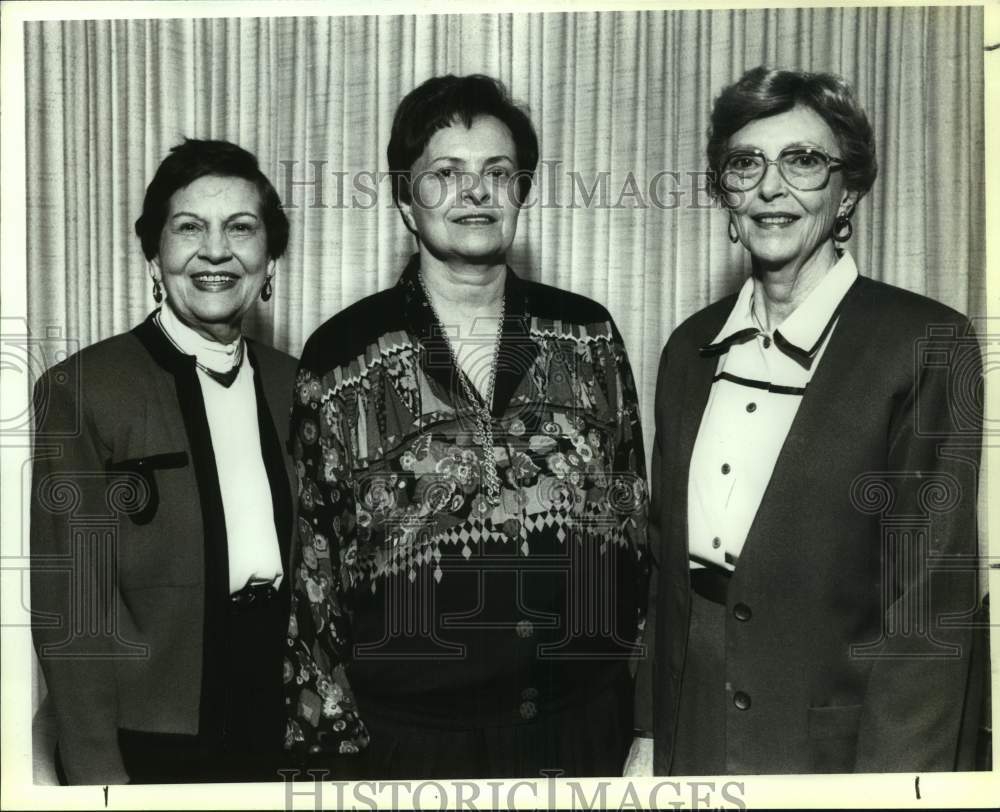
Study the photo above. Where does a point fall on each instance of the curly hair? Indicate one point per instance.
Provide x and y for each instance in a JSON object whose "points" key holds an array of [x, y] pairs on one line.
{"points": [[195, 159], [763, 92], [440, 102]]}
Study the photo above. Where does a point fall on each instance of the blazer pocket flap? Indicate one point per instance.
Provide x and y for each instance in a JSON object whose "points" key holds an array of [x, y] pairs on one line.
{"points": [[834, 721], [173, 459], [140, 502]]}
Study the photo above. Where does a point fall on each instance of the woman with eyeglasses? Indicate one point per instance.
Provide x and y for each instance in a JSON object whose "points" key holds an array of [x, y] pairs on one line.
{"points": [[817, 443]]}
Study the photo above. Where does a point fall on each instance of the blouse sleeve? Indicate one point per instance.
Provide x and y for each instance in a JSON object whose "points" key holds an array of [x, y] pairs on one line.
{"points": [[322, 716], [631, 493], [630, 454]]}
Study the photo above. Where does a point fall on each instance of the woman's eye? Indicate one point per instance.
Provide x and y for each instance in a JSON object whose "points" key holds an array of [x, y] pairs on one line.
{"points": [[242, 228], [445, 172], [741, 163], [187, 228], [498, 172], [805, 160]]}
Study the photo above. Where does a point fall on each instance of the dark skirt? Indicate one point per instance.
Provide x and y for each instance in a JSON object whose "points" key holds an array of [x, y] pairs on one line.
{"points": [[586, 739], [700, 746]]}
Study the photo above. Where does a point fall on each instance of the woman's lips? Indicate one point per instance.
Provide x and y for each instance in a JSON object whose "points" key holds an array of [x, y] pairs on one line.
{"points": [[475, 220], [214, 282], [775, 219]]}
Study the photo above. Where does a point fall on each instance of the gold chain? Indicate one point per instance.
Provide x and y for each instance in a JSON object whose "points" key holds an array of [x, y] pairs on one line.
{"points": [[484, 420]]}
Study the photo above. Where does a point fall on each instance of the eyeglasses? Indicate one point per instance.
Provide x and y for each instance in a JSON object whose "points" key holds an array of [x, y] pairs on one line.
{"points": [[804, 168]]}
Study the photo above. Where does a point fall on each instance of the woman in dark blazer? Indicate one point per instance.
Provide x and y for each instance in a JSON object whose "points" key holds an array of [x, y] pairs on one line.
{"points": [[161, 502], [815, 470]]}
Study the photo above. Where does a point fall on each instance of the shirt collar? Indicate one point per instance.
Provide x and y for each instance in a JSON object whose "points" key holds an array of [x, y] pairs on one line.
{"points": [[803, 332], [208, 354]]}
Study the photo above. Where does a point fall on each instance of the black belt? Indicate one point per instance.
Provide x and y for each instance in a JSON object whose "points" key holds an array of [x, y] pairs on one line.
{"points": [[712, 583], [254, 594]]}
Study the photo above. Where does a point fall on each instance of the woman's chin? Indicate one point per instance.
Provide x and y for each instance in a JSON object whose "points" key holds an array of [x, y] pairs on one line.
{"points": [[485, 255]]}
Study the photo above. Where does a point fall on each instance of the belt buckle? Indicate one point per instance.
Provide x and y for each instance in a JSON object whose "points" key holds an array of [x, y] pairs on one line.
{"points": [[253, 592]]}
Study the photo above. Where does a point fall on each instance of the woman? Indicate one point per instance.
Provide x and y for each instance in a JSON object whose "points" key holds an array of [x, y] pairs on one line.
{"points": [[162, 492], [816, 457], [472, 499]]}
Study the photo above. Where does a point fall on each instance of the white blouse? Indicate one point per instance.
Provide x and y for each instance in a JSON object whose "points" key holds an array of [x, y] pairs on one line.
{"points": [[232, 420], [759, 383]]}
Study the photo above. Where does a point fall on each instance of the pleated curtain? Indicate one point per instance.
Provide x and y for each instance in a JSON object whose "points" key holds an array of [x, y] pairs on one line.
{"points": [[621, 102]]}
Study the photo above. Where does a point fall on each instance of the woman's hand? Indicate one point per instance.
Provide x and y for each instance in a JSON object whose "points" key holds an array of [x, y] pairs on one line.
{"points": [[639, 763]]}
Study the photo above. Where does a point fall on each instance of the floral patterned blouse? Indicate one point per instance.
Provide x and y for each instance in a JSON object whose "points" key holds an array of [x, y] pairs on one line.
{"points": [[435, 605]]}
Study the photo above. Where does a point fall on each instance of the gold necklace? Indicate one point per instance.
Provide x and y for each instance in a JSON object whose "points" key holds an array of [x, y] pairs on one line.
{"points": [[481, 405]]}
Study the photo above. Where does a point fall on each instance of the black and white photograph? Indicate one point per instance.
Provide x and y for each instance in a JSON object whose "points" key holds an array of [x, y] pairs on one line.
{"points": [[434, 405]]}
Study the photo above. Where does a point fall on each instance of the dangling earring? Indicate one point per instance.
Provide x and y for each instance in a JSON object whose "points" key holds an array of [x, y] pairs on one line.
{"points": [[157, 292], [734, 236], [266, 292], [842, 228]]}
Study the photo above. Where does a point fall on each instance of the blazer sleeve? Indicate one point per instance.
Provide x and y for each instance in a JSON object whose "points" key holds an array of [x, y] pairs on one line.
{"points": [[323, 717], [913, 706], [70, 590]]}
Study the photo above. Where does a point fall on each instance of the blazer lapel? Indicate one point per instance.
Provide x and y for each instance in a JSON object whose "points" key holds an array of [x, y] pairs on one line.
{"points": [[812, 421], [272, 401]]}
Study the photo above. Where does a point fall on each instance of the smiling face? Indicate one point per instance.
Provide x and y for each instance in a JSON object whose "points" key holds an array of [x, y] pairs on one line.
{"points": [[213, 259], [781, 226], [463, 207]]}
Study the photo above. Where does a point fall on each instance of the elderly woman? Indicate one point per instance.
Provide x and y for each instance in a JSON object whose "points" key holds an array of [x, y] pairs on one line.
{"points": [[817, 441], [161, 484], [472, 499]]}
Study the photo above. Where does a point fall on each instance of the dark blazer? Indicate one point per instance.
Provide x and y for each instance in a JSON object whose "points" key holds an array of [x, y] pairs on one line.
{"points": [[130, 579], [848, 638]]}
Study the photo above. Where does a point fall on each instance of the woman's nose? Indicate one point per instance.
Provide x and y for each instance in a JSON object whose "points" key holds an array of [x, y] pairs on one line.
{"points": [[477, 191], [772, 184], [215, 246]]}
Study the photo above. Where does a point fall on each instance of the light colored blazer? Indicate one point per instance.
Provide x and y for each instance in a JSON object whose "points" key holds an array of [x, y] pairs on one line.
{"points": [[128, 540], [854, 656]]}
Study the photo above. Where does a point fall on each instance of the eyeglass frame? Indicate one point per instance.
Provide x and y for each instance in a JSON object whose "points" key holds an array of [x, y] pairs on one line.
{"points": [[833, 164]]}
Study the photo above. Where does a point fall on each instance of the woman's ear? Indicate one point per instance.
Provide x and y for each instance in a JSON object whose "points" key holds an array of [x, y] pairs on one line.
{"points": [[406, 212], [847, 203], [154, 270]]}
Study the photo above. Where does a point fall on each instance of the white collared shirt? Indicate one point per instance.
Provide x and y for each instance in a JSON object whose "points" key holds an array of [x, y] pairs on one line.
{"points": [[232, 422], [756, 392]]}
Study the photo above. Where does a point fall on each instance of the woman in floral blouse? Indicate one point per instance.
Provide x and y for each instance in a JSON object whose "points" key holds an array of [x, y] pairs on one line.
{"points": [[472, 504]]}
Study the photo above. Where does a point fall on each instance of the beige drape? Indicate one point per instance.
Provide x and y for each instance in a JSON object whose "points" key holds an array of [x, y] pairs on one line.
{"points": [[626, 94]]}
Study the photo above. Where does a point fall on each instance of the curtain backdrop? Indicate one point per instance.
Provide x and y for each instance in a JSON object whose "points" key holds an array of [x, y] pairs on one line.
{"points": [[617, 97], [621, 103]]}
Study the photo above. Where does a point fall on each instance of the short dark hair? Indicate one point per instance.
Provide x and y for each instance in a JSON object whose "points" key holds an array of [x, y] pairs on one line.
{"points": [[195, 159], [763, 92], [440, 102]]}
